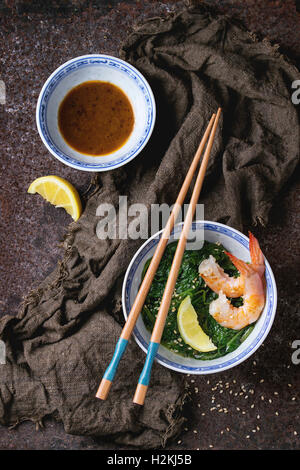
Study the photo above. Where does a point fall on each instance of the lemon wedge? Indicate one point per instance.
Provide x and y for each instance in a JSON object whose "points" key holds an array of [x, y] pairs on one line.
{"points": [[190, 330], [58, 192]]}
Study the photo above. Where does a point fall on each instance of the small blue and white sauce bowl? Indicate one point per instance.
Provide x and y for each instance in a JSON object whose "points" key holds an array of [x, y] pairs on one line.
{"points": [[104, 68], [236, 243]]}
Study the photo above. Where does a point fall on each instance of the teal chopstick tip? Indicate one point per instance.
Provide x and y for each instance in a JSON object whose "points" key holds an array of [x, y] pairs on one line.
{"points": [[119, 351], [146, 372]]}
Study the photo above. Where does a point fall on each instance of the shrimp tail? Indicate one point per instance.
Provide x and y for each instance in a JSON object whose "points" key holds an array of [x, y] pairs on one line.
{"points": [[257, 257], [241, 266]]}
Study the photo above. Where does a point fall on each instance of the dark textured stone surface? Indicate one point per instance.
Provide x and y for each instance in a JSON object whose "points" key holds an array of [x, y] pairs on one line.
{"points": [[262, 395]]}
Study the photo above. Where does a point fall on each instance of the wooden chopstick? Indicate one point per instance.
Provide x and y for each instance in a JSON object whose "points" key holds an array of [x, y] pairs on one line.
{"points": [[157, 332], [110, 372]]}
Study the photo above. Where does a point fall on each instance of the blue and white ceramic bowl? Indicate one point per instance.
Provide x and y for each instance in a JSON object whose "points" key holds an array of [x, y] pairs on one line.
{"points": [[235, 242], [95, 67]]}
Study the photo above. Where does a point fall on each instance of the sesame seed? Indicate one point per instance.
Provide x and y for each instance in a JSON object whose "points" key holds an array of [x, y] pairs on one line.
{"points": [[179, 442]]}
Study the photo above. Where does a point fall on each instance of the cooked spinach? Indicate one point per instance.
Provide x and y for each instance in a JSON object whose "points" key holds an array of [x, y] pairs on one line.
{"points": [[190, 283]]}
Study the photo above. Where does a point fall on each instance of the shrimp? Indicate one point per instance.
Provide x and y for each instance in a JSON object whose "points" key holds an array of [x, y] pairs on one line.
{"points": [[216, 278], [253, 293]]}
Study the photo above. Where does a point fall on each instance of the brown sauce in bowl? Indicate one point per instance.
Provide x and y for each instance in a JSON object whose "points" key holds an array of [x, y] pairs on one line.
{"points": [[95, 118]]}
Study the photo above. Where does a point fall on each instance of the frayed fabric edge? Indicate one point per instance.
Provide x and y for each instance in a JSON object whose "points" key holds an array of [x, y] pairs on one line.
{"points": [[173, 415], [273, 49], [37, 421]]}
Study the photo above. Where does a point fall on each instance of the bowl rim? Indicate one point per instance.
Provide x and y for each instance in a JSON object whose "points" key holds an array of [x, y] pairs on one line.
{"points": [[79, 165], [204, 370]]}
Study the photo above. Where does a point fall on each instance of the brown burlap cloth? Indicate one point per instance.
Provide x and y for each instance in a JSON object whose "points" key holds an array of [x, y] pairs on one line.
{"points": [[63, 338]]}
